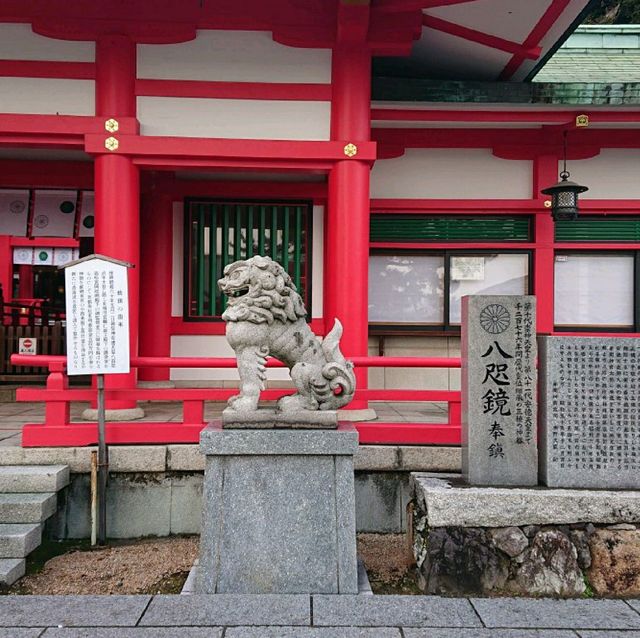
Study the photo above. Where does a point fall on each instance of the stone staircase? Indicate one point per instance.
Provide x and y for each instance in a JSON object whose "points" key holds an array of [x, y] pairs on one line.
{"points": [[27, 499]]}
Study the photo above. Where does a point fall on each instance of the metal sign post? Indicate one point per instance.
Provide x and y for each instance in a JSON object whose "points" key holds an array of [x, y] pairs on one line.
{"points": [[97, 329]]}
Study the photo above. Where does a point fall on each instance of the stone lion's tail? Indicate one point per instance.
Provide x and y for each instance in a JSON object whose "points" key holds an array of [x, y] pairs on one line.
{"points": [[340, 380]]}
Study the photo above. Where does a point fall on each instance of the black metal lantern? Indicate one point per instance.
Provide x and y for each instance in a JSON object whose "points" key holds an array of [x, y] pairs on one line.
{"points": [[564, 194]]}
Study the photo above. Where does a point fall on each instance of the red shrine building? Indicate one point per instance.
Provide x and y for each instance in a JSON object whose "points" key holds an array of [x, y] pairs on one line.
{"points": [[389, 153]]}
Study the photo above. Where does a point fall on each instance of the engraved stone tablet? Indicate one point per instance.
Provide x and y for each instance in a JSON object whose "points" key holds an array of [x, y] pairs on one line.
{"points": [[589, 415], [499, 400]]}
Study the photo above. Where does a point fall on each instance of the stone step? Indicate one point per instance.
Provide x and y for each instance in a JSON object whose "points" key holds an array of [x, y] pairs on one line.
{"points": [[27, 508], [33, 478], [11, 569], [19, 539]]}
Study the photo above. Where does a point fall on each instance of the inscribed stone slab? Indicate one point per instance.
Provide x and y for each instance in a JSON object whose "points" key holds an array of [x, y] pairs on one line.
{"points": [[71, 611], [590, 412], [228, 609], [560, 614], [385, 611], [499, 409]]}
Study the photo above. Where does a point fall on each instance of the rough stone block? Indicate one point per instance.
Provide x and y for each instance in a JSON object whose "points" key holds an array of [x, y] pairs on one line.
{"points": [[228, 609], [25, 478], [449, 505], [615, 562], [385, 611], [184, 458], [71, 611], [186, 504], [499, 397], [558, 614], [18, 540], [589, 420], [27, 508]]}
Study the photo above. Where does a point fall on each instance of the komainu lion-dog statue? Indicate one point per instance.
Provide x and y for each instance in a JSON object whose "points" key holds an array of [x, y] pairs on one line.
{"points": [[265, 316]]}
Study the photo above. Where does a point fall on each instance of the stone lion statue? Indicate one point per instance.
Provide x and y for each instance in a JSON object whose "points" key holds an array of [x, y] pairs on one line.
{"points": [[265, 316]]}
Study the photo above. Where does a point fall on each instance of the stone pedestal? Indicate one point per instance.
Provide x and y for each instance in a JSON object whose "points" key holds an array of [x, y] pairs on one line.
{"points": [[278, 511]]}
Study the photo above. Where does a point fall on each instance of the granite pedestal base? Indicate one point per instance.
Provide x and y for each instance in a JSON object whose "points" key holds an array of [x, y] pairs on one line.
{"points": [[278, 511]]}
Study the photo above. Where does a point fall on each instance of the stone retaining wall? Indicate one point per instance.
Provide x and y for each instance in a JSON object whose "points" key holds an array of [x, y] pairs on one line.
{"points": [[529, 558]]}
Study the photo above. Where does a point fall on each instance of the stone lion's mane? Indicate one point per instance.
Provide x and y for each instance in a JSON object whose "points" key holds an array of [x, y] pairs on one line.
{"points": [[267, 300]]}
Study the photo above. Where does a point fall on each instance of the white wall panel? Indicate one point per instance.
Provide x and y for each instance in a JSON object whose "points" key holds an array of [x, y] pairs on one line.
{"points": [[210, 346], [46, 96], [234, 56], [611, 175], [19, 42], [177, 304], [241, 119], [450, 174]]}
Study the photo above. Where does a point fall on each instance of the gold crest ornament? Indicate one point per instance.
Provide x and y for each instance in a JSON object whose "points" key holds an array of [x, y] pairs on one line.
{"points": [[111, 125], [111, 144], [350, 150]]}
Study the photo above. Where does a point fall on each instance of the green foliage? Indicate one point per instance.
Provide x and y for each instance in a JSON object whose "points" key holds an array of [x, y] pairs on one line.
{"points": [[615, 12]]}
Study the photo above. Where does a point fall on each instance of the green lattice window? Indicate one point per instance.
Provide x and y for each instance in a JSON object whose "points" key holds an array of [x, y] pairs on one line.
{"points": [[599, 229], [430, 228], [220, 232]]}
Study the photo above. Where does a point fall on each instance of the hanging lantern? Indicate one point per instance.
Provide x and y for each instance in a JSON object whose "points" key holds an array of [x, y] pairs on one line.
{"points": [[564, 198], [564, 194]]}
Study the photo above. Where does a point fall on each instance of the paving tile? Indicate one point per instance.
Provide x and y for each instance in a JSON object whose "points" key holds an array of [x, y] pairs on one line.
{"points": [[608, 633], [228, 609], [71, 611], [312, 632], [488, 633], [384, 611], [14, 632], [634, 604], [546, 613], [135, 632]]}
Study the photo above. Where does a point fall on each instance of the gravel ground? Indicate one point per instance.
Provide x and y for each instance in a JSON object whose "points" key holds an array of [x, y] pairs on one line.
{"points": [[146, 566], [160, 565]]}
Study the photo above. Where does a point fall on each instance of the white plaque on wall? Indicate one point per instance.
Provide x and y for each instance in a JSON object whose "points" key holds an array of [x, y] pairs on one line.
{"points": [[467, 268], [97, 316]]}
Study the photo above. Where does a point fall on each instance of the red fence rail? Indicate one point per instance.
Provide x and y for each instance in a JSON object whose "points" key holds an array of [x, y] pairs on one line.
{"points": [[58, 430]]}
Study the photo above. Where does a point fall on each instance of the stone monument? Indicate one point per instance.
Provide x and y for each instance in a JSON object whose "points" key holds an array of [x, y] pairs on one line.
{"points": [[499, 400], [279, 501], [589, 414]]}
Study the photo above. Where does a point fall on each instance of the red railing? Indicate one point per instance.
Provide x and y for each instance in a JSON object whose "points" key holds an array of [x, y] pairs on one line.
{"points": [[58, 431]]}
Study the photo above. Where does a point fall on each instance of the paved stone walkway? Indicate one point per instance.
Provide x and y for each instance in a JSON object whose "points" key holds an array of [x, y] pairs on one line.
{"points": [[14, 415], [293, 616]]}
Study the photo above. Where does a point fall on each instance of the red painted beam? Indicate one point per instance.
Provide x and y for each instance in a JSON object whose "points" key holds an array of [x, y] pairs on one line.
{"points": [[520, 116], [409, 433], [399, 6], [542, 27], [242, 150], [47, 69], [485, 39], [66, 125], [234, 90]]}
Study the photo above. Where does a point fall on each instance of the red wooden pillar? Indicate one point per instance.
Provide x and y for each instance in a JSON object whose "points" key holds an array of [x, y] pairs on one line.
{"points": [[545, 173], [156, 268], [6, 267], [117, 188], [25, 282], [347, 237]]}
